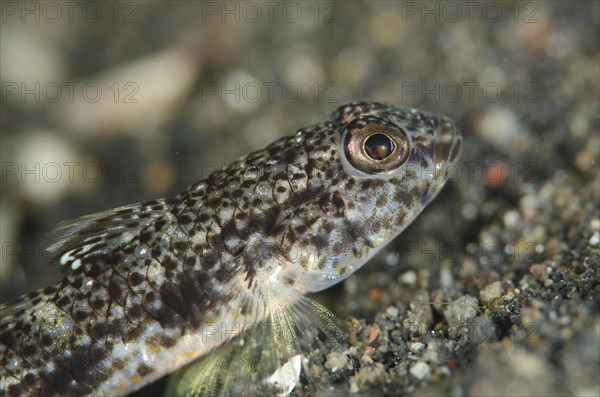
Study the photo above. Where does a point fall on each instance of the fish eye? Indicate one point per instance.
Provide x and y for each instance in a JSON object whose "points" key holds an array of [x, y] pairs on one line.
{"points": [[373, 145], [379, 146]]}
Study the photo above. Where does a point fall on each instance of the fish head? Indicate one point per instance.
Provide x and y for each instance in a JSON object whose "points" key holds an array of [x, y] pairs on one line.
{"points": [[348, 186]]}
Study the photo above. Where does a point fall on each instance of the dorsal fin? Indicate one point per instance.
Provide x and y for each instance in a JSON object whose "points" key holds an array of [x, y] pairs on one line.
{"points": [[72, 241]]}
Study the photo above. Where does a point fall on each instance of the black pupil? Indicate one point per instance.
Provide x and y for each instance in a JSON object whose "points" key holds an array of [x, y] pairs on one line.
{"points": [[379, 146]]}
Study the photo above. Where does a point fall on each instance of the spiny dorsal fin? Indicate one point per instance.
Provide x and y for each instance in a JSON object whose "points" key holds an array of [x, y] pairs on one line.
{"points": [[74, 240]]}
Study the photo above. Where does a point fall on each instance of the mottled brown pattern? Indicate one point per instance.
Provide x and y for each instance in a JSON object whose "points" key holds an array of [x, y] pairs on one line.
{"points": [[164, 268]]}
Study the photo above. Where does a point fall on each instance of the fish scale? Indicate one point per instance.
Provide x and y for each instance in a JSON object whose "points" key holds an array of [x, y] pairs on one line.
{"points": [[146, 283]]}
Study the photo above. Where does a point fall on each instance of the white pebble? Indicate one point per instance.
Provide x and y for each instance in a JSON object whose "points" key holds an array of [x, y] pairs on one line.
{"points": [[392, 312], [409, 278], [416, 347], [511, 218], [420, 370], [287, 376], [392, 259], [446, 278], [501, 127], [594, 239]]}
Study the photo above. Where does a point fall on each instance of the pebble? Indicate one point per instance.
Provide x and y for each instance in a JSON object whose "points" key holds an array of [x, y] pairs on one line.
{"points": [[365, 359], [446, 277], [420, 316], [336, 361], [594, 239], [149, 95], [501, 127], [420, 370], [50, 166], [409, 277], [539, 271], [392, 312], [491, 291], [461, 310], [392, 259], [511, 218], [373, 376], [416, 347], [43, 62]]}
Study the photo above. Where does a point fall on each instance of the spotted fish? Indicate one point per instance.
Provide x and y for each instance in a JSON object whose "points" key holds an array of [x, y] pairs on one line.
{"points": [[152, 286]]}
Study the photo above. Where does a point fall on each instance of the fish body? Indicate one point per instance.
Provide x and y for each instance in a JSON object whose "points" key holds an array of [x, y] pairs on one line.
{"points": [[153, 286]]}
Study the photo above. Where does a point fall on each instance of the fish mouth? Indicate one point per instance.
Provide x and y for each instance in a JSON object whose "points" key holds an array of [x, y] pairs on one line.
{"points": [[446, 153], [448, 146]]}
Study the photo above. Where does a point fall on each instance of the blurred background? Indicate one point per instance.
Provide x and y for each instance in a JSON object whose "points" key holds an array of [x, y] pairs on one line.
{"points": [[109, 103]]}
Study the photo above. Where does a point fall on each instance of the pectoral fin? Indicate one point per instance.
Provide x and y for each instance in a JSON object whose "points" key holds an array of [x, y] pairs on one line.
{"points": [[270, 358]]}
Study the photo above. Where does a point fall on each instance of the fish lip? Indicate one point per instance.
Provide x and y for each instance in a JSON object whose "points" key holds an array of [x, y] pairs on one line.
{"points": [[448, 128], [446, 153], [448, 145], [457, 145]]}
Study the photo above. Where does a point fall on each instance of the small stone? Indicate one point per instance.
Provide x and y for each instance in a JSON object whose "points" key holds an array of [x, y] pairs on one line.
{"points": [[420, 370], [585, 159], [511, 218], [439, 353], [373, 332], [491, 291], [420, 316], [392, 259], [416, 347], [373, 376], [594, 239], [501, 127], [409, 278], [336, 361], [461, 310], [539, 271], [366, 360], [446, 278], [50, 166], [287, 376], [469, 211], [159, 96], [528, 365], [392, 312]]}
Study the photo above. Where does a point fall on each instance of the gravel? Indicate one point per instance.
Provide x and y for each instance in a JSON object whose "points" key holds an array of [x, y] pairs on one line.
{"points": [[494, 290]]}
